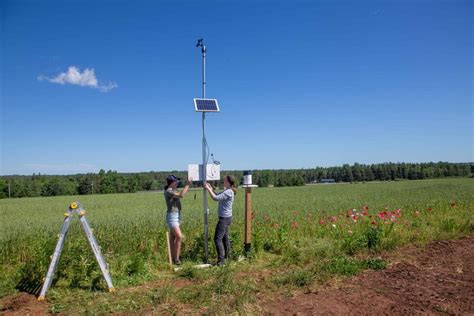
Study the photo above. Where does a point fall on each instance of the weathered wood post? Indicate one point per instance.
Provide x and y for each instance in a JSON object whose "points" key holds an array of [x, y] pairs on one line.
{"points": [[247, 184]]}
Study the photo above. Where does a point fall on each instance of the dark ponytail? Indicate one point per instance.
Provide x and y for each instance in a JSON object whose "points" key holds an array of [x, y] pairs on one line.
{"points": [[231, 180]]}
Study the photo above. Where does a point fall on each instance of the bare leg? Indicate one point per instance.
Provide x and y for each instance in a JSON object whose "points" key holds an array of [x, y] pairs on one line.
{"points": [[176, 242]]}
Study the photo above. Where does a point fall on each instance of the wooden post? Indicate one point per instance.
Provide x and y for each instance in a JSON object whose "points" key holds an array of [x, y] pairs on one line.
{"points": [[169, 248], [248, 218]]}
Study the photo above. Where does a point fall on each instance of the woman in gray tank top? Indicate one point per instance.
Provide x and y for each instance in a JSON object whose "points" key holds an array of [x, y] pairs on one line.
{"points": [[173, 214], [224, 211]]}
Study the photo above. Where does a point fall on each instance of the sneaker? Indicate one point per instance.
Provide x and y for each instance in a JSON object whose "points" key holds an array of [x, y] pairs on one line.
{"points": [[220, 263], [177, 262]]}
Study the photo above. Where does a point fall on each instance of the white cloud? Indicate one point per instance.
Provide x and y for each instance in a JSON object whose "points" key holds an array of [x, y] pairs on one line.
{"points": [[86, 78]]}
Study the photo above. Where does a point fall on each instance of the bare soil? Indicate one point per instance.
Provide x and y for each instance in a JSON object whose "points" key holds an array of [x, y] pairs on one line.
{"points": [[436, 279], [23, 304]]}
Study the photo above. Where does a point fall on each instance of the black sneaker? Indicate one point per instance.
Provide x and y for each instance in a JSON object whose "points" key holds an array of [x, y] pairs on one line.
{"points": [[177, 262], [220, 263]]}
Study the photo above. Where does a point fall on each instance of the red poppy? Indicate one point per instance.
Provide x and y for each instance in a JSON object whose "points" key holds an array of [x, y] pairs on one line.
{"points": [[294, 225], [429, 209], [322, 222]]}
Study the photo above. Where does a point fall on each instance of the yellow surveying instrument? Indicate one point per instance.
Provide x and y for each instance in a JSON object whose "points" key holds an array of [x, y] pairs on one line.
{"points": [[75, 207]]}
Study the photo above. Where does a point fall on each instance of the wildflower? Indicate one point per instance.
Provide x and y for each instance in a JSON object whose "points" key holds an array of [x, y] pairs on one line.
{"points": [[333, 219], [417, 213], [322, 222], [334, 225], [364, 213], [374, 223], [365, 208], [429, 209], [349, 232], [295, 213], [294, 225]]}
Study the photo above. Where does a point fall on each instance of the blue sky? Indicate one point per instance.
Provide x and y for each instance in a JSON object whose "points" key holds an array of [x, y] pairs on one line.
{"points": [[300, 83]]}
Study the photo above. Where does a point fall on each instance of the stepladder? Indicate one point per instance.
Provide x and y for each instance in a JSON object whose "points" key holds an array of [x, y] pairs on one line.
{"points": [[75, 208]]}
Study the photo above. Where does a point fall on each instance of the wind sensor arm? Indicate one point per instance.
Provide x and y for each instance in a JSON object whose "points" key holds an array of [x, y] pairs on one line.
{"points": [[200, 43]]}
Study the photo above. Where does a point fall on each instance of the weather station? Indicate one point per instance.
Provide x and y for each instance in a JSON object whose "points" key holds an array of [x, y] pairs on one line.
{"points": [[205, 172], [210, 171]]}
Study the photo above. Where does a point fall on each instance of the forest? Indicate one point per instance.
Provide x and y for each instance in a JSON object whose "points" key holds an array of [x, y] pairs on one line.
{"points": [[107, 182]]}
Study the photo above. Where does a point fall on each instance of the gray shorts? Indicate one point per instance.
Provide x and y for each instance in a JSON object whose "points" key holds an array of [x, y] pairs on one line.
{"points": [[173, 219]]}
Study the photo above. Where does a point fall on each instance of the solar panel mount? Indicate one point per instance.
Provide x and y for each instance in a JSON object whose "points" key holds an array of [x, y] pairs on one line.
{"points": [[206, 105]]}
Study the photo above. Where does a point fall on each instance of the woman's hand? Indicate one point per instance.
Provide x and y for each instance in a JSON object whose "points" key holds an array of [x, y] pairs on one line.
{"points": [[208, 187], [190, 181]]}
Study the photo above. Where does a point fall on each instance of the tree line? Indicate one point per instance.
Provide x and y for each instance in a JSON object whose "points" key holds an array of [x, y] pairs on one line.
{"points": [[114, 182]]}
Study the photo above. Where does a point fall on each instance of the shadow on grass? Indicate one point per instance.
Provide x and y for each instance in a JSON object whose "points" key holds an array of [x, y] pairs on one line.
{"points": [[29, 286]]}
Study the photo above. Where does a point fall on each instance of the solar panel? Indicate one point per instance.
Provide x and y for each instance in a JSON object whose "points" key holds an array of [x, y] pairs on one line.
{"points": [[206, 105]]}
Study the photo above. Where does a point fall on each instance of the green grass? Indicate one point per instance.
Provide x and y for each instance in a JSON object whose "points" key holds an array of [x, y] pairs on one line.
{"points": [[294, 242]]}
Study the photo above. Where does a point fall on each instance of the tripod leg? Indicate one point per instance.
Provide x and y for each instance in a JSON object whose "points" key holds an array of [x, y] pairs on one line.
{"points": [[96, 249], [55, 256]]}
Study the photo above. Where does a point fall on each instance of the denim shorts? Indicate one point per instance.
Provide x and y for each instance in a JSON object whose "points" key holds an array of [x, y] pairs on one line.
{"points": [[173, 219]]}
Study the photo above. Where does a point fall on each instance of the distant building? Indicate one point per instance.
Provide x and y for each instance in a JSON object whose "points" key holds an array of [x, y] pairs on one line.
{"points": [[327, 181]]}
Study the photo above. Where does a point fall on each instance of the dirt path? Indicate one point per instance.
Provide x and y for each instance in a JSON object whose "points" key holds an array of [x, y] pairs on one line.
{"points": [[438, 279]]}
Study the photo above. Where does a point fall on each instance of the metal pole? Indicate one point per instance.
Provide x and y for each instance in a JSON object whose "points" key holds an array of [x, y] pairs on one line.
{"points": [[9, 183], [204, 160]]}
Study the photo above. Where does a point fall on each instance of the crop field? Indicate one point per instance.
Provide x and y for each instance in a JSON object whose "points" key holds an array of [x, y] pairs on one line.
{"points": [[300, 235]]}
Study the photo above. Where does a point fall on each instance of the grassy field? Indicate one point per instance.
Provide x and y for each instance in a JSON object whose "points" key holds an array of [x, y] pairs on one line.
{"points": [[301, 235]]}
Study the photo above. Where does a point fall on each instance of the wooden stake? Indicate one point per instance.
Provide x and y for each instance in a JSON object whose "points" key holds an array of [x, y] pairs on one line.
{"points": [[169, 248]]}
